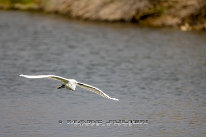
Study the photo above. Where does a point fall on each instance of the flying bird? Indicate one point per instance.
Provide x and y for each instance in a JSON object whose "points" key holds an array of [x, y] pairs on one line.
{"points": [[71, 84]]}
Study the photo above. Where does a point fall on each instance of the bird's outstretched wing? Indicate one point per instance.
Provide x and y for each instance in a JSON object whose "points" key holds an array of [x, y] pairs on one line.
{"points": [[64, 80], [95, 90]]}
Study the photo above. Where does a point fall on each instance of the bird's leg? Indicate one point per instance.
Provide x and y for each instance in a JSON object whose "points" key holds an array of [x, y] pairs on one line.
{"points": [[62, 86]]}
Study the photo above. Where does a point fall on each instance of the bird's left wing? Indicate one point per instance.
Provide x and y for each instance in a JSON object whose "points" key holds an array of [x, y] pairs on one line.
{"points": [[64, 80], [95, 90]]}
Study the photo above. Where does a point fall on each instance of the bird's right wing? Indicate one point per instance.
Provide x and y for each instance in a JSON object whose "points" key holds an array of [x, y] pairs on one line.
{"points": [[95, 90], [64, 80]]}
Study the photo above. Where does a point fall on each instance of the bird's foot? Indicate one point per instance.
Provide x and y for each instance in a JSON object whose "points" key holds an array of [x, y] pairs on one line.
{"points": [[62, 86], [59, 87]]}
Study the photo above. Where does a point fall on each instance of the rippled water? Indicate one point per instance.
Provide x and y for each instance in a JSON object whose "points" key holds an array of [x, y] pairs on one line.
{"points": [[159, 75]]}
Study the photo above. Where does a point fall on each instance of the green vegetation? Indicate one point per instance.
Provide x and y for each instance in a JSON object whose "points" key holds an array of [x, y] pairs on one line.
{"points": [[17, 1], [20, 4]]}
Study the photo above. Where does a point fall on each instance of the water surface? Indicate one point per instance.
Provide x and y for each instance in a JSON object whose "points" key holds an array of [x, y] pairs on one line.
{"points": [[159, 75]]}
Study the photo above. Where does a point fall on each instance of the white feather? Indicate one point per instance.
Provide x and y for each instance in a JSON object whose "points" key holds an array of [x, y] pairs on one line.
{"points": [[95, 90], [71, 84]]}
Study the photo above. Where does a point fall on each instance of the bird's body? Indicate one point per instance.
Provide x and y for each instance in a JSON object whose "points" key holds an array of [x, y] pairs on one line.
{"points": [[71, 84]]}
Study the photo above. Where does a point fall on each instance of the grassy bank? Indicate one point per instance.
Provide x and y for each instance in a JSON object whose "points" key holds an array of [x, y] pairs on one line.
{"points": [[184, 14]]}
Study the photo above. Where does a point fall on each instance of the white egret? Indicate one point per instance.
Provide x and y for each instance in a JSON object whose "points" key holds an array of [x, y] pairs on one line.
{"points": [[71, 84]]}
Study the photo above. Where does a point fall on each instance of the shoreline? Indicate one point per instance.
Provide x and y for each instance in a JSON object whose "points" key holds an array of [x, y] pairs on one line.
{"points": [[189, 17]]}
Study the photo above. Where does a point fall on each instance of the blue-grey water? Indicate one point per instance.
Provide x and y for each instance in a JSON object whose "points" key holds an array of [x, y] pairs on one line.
{"points": [[159, 75]]}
